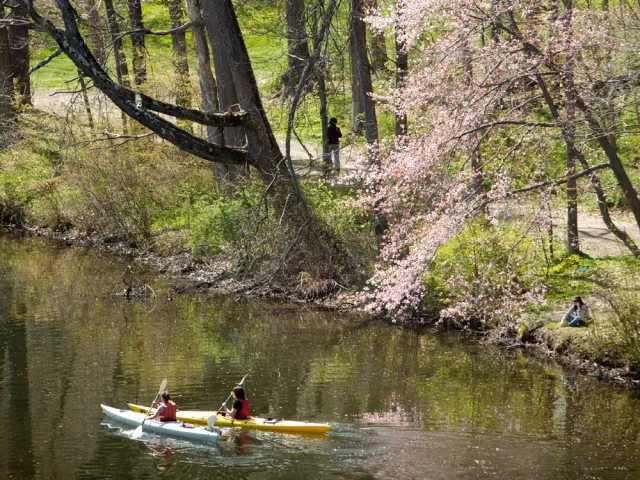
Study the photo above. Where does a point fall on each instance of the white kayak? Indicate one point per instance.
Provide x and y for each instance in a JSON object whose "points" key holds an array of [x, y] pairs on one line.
{"points": [[171, 429]]}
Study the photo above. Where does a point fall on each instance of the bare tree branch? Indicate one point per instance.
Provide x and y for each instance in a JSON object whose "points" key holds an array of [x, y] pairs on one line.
{"points": [[41, 64], [147, 31], [136, 104]]}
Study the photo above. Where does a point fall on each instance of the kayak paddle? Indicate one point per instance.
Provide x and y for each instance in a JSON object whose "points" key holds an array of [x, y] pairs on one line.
{"points": [[138, 430], [237, 385]]}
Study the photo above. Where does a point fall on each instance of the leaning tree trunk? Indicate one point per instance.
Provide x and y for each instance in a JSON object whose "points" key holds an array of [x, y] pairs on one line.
{"points": [[6, 87], [297, 44], [227, 94], [19, 46], [138, 58], [179, 44]]}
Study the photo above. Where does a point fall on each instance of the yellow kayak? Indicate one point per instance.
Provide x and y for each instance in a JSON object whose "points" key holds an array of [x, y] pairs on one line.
{"points": [[255, 423]]}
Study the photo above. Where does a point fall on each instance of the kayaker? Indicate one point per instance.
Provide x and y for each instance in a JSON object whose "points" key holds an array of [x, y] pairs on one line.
{"points": [[166, 411], [240, 410]]}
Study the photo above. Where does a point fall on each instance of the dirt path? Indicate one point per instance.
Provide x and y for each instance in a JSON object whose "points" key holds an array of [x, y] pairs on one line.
{"points": [[595, 238]]}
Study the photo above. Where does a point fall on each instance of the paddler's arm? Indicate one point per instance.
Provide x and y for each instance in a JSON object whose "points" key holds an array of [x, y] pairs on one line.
{"points": [[225, 409], [159, 410]]}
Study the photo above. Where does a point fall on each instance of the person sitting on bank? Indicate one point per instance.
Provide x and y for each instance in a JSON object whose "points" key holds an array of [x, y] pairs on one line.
{"points": [[333, 143], [577, 315], [166, 410], [240, 410]]}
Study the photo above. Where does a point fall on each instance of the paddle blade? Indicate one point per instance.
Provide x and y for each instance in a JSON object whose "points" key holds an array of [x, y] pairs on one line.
{"points": [[137, 433], [163, 386], [211, 421]]}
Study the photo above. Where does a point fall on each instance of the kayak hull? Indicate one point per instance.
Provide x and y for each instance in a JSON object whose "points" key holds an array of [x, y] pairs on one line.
{"points": [[171, 429], [252, 423]]}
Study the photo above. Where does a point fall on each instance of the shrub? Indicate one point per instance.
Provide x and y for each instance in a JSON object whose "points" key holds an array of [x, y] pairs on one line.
{"points": [[486, 274]]}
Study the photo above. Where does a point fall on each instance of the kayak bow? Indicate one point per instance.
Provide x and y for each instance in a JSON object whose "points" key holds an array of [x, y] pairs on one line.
{"points": [[254, 423]]}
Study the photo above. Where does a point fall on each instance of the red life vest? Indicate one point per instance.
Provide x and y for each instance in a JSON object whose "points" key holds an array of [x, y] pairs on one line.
{"points": [[169, 413], [244, 411]]}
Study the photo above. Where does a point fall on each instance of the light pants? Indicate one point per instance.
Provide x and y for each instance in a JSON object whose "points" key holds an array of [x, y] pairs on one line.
{"points": [[333, 150]]}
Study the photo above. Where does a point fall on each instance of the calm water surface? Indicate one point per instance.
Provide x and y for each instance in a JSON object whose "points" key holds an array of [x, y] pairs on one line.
{"points": [[401, 404]]}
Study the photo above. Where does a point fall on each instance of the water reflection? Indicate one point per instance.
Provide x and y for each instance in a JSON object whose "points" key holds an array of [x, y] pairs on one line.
{"points": [[402, 404]]}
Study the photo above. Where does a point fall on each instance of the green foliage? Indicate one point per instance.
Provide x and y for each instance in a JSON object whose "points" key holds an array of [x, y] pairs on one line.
{"points": [[571, 276], [352, 228], [491, 265], [27, 171], [217, 220]]}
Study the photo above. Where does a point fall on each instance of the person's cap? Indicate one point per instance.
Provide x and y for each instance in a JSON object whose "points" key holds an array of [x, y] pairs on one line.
{"points": [[333, 120]]}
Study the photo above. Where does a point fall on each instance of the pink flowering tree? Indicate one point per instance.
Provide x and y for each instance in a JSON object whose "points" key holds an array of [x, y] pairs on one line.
{"points": [[507, 102]]}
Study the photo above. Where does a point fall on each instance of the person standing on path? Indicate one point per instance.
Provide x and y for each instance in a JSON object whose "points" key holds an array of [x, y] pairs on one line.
{"points": [[333, 146]]}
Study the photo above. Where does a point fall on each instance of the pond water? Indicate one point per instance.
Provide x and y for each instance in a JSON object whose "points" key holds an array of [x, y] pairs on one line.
{"points": [[401, 404]]}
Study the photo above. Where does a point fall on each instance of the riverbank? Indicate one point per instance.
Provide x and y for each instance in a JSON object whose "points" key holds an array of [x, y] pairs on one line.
{"points": [[190, 275], [595, 350]]}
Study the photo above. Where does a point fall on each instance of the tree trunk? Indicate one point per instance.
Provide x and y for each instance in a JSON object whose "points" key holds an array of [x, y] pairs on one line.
{"points": [[378, 44], [6, 87], [297, 44], [208, 86], [138, 58], [122, 69], [610, 111], [227, 94], [573, 240], [402, 67], [95, 30], [474, 139], [19, 46], [322, 89], [359, 30], [357, 103], [85, 98], [179, 44]]}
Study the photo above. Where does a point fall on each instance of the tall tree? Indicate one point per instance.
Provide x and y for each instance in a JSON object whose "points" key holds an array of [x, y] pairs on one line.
{"points": [[378, 43], [208, 86], [320, 79], [357, 101], [227, 93], [359, 34], [20, 56], [573, 239], [179, 44], [402, 67], [138, 58], [95, 30], [6, 85], [297, 44], [122, 69]]}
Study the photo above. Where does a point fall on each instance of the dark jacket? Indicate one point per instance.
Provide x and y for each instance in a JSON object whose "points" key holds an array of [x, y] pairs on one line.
{"points": [[334, 134]]}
